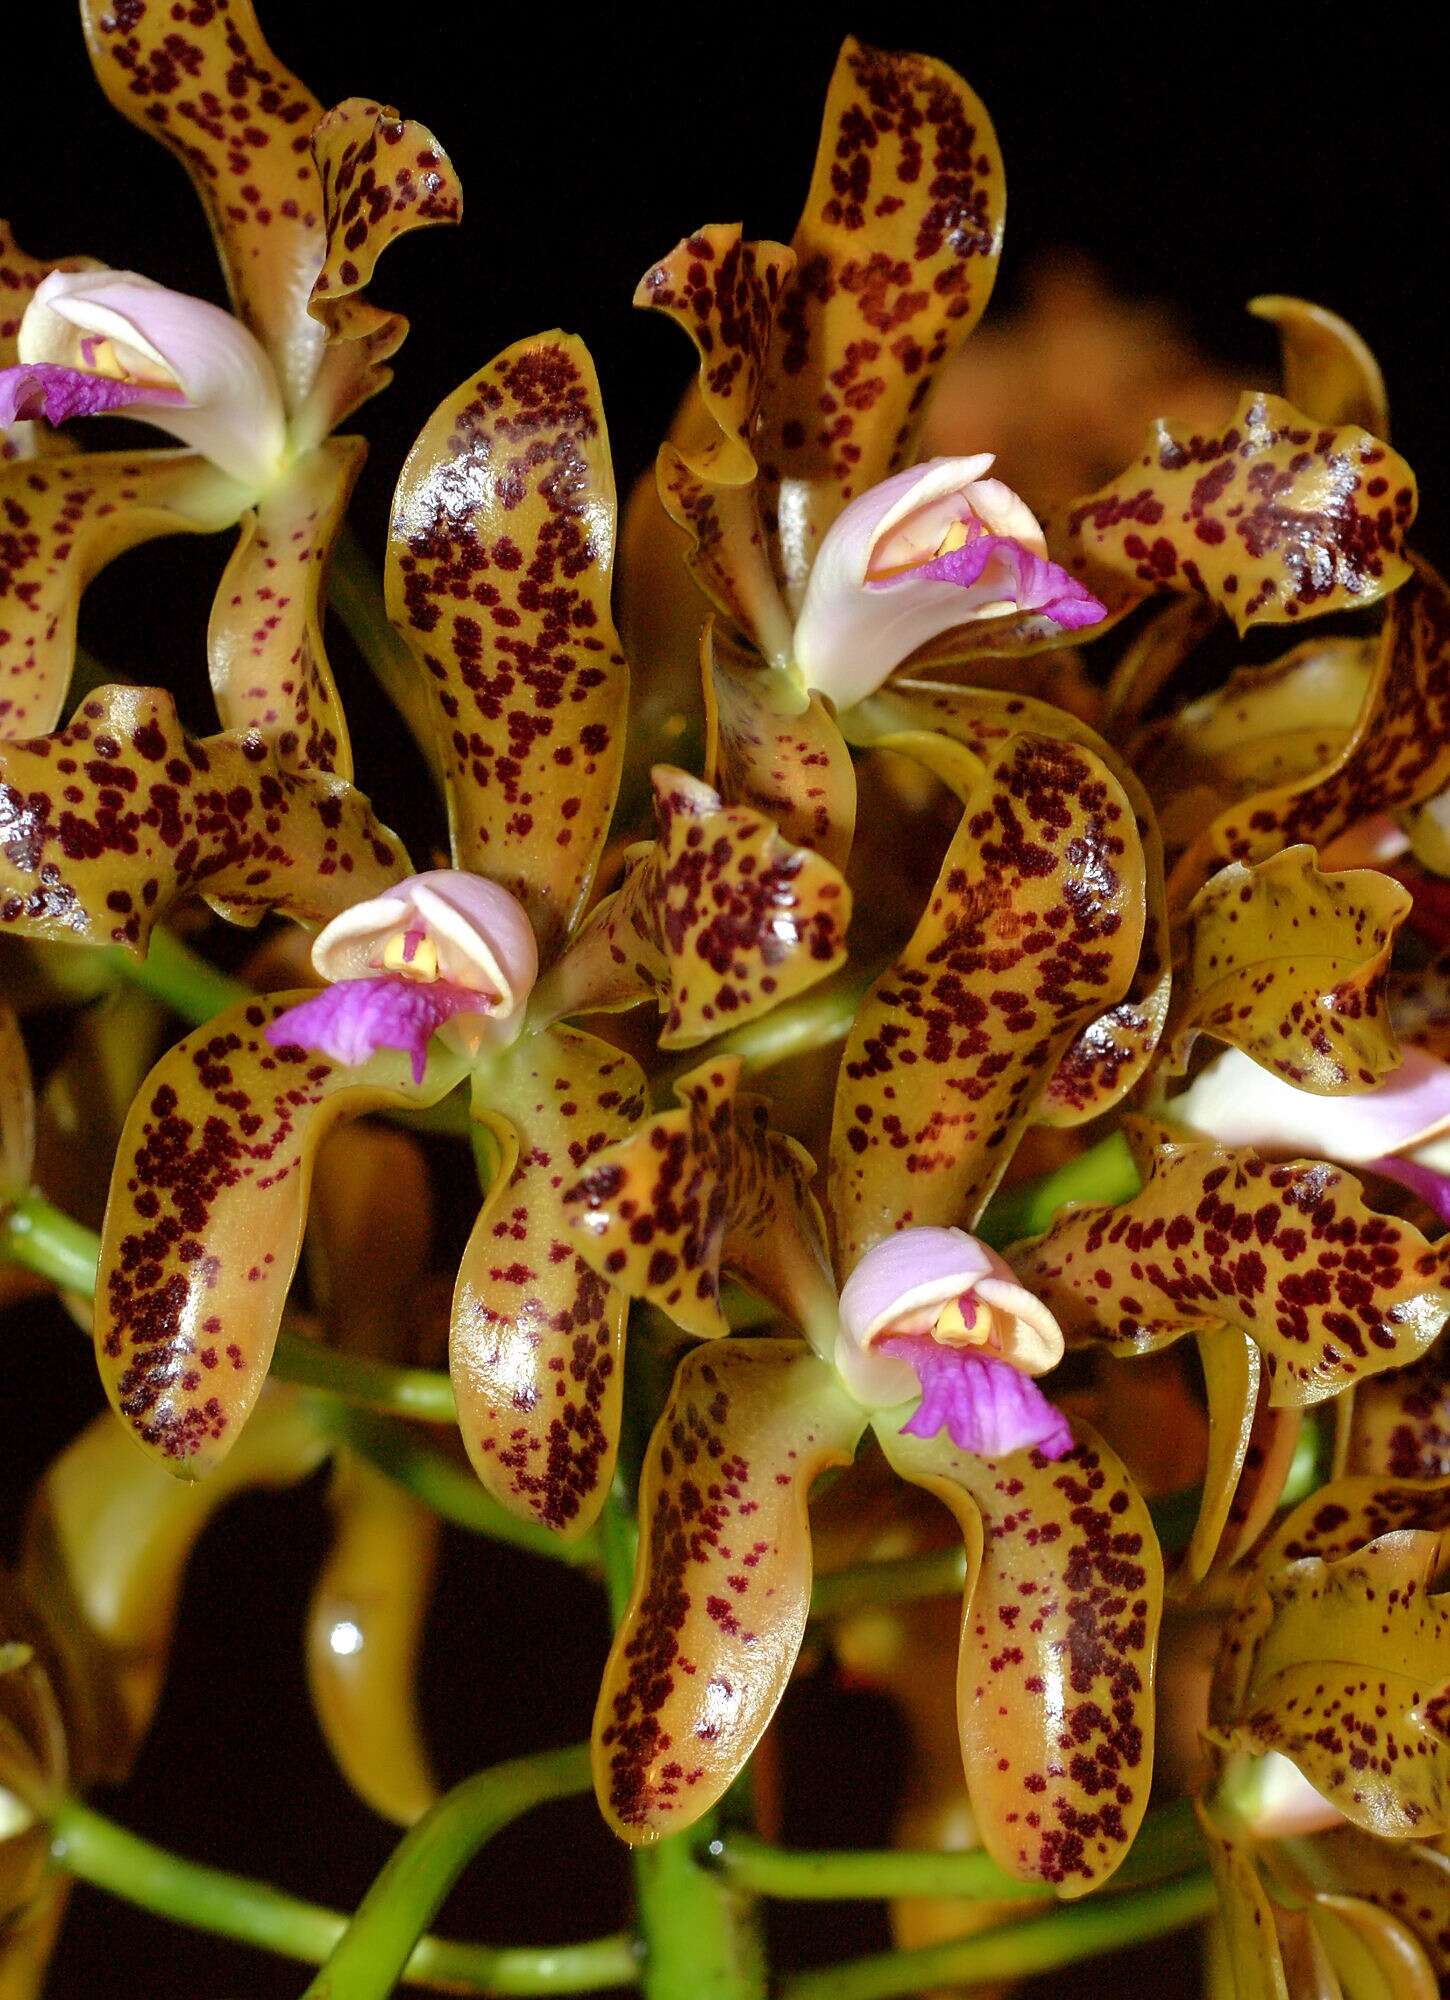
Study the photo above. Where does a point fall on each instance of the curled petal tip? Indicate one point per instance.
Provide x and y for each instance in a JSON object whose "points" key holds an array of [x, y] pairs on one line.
{"points": [[985, 1406]]}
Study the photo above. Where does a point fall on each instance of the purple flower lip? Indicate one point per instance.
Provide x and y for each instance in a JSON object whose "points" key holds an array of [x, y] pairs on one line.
{"points": [[984, 1405], [351, 1021], [43, 389]]}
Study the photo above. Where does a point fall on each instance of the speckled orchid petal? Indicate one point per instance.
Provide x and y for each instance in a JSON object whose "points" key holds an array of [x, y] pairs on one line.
{"points": [[108, 1536], [191, 369], [724, 291], [1327, 1289], [1272, 518], [1034, 927], [65, 518], [1399, 1424], [1347, 1676], [354, 1020], [886, 579], [896, 253], [722, 1588], [20, 275], [249, 163], [498, 575], [1232, 1372], [1329, 371], [1290, 967], [1396, 754], [1408, 1880], [537, 1342], [110, 822], [205, 1222], [719, 920], [1237, 1102], [380, 176], [767, 749], [364, 1635], [1248, 1920], [701, 1188], [1059, 1632], [269, 668], [934, 723]]}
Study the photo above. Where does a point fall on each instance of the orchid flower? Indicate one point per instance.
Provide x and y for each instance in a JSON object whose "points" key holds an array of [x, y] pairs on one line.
{"points": [[442, 947], [1400, 1129], [97, 341], [935, 1312], [930, 549]]}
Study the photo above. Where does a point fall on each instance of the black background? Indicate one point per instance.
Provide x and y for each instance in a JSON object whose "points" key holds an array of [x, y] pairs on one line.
{"points": [[1199, 155]]}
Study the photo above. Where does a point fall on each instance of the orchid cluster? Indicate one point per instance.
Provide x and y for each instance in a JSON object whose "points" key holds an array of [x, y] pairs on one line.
{"points": [[920, 1038]]}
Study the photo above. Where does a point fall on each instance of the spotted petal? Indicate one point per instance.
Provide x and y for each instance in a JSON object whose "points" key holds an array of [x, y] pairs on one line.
{"points": [[896, 253], [1291, 967], [498, 576], [1271, 518], [719, 920], [1407, 1880], [1034, 927], [1059, 1633], [107, 824], [1329, 371], [269, 668], [203, 1229], [380, 176], [771, 747], [1398, 1425], [934, 722], [724, 291], [537, 1344], [62, 519], [700, 1188], [1327, 1289], [722, 1588]]}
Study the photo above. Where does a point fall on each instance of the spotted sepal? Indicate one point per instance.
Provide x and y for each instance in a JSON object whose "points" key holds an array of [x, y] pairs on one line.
{"points": [[1274, 517], [1059, 1635], [498, 576], [719, 919], [205, 1220], [537, 1341], [1327, 1289], [1033, 929], [723, 1580], [706, 1187], [107, 824]]}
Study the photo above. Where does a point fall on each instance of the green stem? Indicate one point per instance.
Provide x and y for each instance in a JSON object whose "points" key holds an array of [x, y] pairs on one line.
{"points": [[369, 1957], [448, 1488], [179, 977], [356, 595], [1105, 1173], [39, 1238], [98, 1851], [1015, 1951], [1169, 1842]]}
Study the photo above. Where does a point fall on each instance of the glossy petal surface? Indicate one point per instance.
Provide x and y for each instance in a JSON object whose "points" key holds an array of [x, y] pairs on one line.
{"points": [[1399, 1424], [926, 720], [62, 519], [537, 1342], [723, 1582], [269, 667], [1291, 966], [1232, 1371], [1329, 372], [1328, 1290], [896, 253], [1033, 929], [701, 1188], [121, 814], [724, 291], [767, 748], [719, 920], [499, 575], [1272, 518], [1059, 1633], [202, 1233]]}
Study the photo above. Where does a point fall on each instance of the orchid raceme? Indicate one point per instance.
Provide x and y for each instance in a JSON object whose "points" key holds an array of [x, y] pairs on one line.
{"points": [[924, 553], [445, 946]]}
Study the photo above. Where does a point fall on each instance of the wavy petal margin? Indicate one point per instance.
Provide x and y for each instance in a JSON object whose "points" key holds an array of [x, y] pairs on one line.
{"points": [[1033, 929], [119, 816], [498, 575], [1059, 1636], [723, 1583]]}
